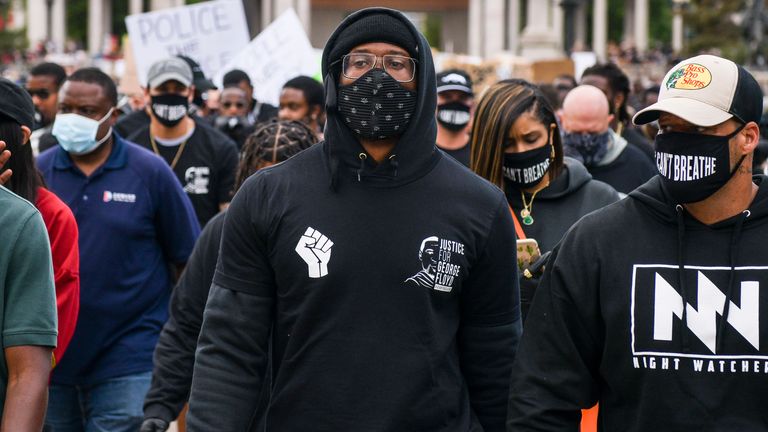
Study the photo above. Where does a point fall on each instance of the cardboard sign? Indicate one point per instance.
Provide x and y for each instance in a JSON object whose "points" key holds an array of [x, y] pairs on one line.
{"points": [[211, 33], [281, 52]]}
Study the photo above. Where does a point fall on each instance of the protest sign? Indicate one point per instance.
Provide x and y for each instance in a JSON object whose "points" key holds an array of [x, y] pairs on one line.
{"points": [[280, 52], [211, 33]]}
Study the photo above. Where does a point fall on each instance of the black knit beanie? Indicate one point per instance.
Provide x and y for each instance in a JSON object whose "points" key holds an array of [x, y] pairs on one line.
{"points": [[16, 104], [378, 27]]}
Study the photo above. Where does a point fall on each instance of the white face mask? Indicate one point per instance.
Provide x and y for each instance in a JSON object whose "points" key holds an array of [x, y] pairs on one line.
{"points": [[77, 134]]}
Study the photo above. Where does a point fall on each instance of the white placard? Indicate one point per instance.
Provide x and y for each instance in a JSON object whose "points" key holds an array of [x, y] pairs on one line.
{"points": [[281, 52], [581, 61], [212, 33]]}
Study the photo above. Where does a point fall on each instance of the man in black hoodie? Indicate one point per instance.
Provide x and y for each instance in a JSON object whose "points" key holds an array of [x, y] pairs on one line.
{"points": [[651, 306], [318, 250]]}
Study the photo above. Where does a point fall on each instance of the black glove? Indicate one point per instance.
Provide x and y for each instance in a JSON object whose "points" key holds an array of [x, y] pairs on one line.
{"points": [[154, 425]]}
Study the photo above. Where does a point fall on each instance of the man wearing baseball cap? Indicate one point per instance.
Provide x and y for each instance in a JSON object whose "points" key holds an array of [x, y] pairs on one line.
{"points": [[203, 159], [652, 306], [455, 106]]}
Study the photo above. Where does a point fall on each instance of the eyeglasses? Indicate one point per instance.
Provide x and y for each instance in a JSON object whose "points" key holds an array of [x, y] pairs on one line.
{"points": [[401, 68], [40, 93], [232, 104]]}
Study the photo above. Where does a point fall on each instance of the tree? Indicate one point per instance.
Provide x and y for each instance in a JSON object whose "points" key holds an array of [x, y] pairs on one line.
{"points": [[715, 26]]}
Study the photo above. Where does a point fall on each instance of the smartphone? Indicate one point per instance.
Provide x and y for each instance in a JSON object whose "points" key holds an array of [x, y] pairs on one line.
{"points": [[527, 253]]}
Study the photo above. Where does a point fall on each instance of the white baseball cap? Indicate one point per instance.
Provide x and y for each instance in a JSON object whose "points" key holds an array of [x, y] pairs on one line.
{"points": [[706, 90]]}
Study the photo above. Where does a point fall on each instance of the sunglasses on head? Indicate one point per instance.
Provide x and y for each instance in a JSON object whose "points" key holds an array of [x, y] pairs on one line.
{"points": [[40, 93]]}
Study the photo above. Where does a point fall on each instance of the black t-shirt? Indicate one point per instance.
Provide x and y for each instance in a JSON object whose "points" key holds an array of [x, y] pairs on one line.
{"points": [[461, 155], [206, 167]]}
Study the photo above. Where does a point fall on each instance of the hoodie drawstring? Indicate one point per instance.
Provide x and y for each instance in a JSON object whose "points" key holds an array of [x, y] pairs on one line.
{"points": [[681, 271], [732, 258], [362, 157], [394, 163]]}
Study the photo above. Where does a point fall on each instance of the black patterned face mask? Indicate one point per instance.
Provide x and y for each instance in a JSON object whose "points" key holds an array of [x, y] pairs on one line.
{"points": [[376, 106]]}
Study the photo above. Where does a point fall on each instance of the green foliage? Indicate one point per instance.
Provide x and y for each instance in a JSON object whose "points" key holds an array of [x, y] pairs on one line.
{"points": [[710, 26], [660, 22], [11, 40], [433, 27], [77, 21]]}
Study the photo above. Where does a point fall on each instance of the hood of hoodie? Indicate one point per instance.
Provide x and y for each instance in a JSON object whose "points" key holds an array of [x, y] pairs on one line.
{"points": [[573, 176], [655, 198], [415, 152]]}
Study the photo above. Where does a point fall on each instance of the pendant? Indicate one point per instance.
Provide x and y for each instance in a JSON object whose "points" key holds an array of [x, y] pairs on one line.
{"points": [[524, 213], [527, 220]]}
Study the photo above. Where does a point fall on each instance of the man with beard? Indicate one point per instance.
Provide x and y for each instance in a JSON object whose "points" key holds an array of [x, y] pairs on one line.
{"points": [[315, 253], [651, 306], [302, 99], [233, 116]]}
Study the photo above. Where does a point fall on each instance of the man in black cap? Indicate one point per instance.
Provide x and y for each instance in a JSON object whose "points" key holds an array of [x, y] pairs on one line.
{"points": [[202, 158], [455, 106], [202, 86], [319, 251]]}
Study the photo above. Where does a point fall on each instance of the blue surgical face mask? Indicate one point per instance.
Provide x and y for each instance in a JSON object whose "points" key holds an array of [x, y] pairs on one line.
{"points": [[77, 134]]}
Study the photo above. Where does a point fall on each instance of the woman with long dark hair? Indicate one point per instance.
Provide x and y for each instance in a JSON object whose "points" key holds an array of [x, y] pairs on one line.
{"points": [[516, 145], [25, 180]]}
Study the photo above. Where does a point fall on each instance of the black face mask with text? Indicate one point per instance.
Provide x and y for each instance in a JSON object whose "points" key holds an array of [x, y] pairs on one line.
{"points": [[527, 169], [694, 166], [376, 106], [169, 109], [453, 116]]}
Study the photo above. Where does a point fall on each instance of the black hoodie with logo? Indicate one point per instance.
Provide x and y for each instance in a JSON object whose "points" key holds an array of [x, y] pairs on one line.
{"points": [[654, 315], [390, 290]]}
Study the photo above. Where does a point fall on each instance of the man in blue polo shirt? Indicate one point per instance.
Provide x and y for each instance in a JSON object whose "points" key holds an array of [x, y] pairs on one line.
{"points": [[136, 223]]}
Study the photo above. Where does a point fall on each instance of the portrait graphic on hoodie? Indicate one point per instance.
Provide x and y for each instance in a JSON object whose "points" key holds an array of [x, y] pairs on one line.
{"points": [[438, 270]]}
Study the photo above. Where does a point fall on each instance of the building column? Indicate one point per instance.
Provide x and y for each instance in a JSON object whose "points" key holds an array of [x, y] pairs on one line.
{"points": [[135, 7], [59, 24], [95, 25], [677, 28], [165, 4], [628, 33], [38, 32], [493, 33], [475, 27], [302, 8], [600, 28], [539, 40], [580, 39], [641, 26], [513, 26], [558, 23]]}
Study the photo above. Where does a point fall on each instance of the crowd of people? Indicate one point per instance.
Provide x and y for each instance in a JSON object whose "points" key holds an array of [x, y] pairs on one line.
{"points": [[384, 251]]}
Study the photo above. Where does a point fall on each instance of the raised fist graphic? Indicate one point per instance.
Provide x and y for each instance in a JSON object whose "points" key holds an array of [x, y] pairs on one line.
{"points": [[315, 249]]}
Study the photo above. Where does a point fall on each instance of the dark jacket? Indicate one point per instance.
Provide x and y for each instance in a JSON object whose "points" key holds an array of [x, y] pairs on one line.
{"points": [[629, 170], [655, 316], [328, 255], [570, 196], [174, 355]]}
